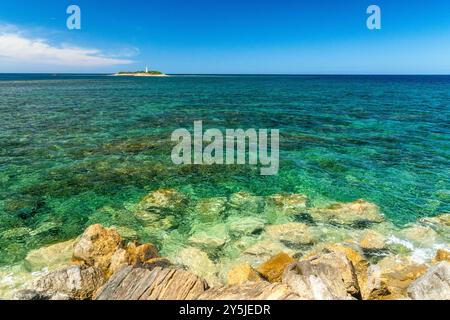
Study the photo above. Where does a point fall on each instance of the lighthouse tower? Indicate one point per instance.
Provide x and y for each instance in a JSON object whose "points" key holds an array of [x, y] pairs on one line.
{"points": [[146, 69]]}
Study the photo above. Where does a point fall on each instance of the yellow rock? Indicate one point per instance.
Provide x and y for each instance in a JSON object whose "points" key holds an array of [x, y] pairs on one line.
{"points": [[242, 273], [96, 247], [143, 256], [139, 254], [273, 269], [441, 255], [119, 259]]}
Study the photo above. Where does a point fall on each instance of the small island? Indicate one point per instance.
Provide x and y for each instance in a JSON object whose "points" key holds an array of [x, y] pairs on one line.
{"points": [[146, 73]]}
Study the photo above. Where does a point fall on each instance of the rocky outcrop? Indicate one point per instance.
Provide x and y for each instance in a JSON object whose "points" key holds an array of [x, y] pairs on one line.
{"points": [[328, 276], [136, 255], [325, 256], [359, 262], [97, 254], [71, 283], [433, 285], [96, 247], [158, 284], [250, 291]]}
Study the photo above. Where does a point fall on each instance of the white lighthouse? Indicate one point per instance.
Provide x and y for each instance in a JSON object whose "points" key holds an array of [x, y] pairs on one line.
{"points": [[146, 69]]}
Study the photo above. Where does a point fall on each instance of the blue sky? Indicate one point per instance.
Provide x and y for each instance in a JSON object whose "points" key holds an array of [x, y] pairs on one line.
{"points": [[218, 36]]}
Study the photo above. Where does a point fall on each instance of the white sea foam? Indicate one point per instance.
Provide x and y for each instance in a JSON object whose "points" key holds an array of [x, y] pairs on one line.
{"points": [[418, 254]]}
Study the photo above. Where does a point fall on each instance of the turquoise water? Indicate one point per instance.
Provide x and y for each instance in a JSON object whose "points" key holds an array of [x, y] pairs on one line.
{"points": [[76, 150]]}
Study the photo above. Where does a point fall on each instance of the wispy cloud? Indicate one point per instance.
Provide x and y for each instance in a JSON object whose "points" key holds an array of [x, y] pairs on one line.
{"points": [[17, 47]]}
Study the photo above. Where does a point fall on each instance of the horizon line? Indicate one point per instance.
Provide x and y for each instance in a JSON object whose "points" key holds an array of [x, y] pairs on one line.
{"points": [[236, 74]]}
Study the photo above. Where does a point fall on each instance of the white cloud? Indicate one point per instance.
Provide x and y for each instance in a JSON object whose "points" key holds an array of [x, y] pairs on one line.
{"points": [[16, 47]]}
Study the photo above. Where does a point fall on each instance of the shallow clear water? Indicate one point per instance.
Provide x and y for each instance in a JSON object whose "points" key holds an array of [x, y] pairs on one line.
{"points": [[75, 148]]}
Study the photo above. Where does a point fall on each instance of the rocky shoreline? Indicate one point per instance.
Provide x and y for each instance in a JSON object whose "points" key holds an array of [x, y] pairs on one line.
{"points": [[337, 252]]}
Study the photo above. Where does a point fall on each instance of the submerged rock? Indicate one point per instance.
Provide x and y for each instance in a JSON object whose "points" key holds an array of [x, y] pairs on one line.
{"points": [[440, 224], [293, 233], [161, 200], [210, 238], [50, 257], [433, 285], [198, 262], [243, 226], [147, 217], [16, 233], [263, 250], [210, 209], [359, 213], [287, 204], [242, 273], [245, 203], [158, 284], [45, 227], [126, 233], [421, 235], [272, 270], [96, 247]]}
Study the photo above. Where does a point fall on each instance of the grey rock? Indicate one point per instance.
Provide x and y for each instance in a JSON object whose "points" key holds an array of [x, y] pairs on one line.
{"points": [[75, 282], [433, 285], [158, 284], [250, 291], [30, 294], [324, 277]]}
